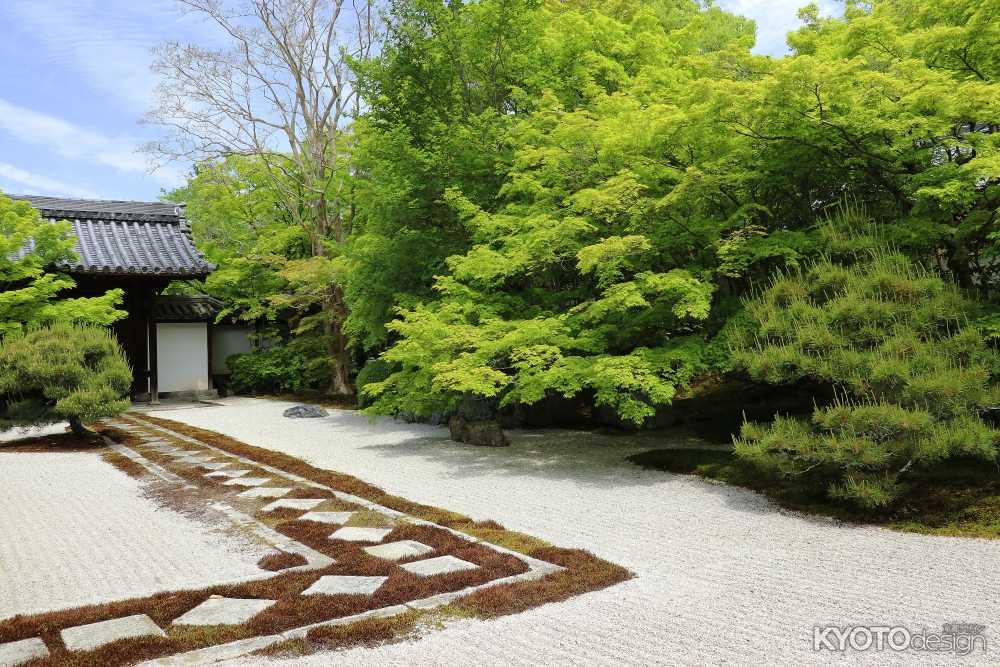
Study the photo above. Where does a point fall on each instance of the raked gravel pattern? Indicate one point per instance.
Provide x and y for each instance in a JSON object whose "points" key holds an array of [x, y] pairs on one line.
{"points": [[75, 530], [723, 577]]}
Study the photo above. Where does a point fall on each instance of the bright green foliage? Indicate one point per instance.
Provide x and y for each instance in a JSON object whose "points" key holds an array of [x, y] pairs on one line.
{"points": [[895, 106], [28, 291], [577, 272], [238, 222], [572, 197], [895, 340], [267, 273], [281, 369], [61, 372]]}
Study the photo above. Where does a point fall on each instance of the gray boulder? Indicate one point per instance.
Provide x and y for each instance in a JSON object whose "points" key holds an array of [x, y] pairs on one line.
{"points": [[484, 433], [305, 412]]}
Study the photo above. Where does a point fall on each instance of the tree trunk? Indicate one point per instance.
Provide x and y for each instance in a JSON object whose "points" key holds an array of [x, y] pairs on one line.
{"points": [[79, 429], [340, 382]]}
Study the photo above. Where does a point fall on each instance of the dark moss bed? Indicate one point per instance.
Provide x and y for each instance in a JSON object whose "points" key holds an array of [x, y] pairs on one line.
{"points": [[958, 498], [57, 442]]}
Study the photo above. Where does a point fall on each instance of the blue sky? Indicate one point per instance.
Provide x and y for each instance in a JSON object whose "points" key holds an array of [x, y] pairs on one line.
{"points": [[76, 81]]}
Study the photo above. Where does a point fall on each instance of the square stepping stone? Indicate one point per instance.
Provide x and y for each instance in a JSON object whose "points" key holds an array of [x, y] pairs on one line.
{"points": [[399, 550], [214, 466], [192, 460], [439, 565], [345, 585], [93, 635], [360, 534], [18, 653], [293, 504], [218, 610], [265, 492], [327, 517], [247, 481], [230, 474]]}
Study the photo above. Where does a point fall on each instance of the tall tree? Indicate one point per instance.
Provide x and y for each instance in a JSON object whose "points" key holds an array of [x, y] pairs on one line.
{"points": [[585, 266], [281, 91]]}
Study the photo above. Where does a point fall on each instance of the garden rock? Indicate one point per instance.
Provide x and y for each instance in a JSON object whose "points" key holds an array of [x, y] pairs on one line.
{"points": [[482, 433], [305, 412]]}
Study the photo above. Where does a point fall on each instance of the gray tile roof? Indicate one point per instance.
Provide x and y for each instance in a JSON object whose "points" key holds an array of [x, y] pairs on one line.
{"points": [[195, 308], [126, 238]]}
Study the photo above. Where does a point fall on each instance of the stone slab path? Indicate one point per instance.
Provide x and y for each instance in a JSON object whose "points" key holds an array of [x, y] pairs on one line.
{"points": [[293, 504], [345, 585], [327, 517], [95, 635], [266, 492], [20, 652], [359, 534], [218, 610], [722, 576], [399, 550], [440, 565], [248, 481]]}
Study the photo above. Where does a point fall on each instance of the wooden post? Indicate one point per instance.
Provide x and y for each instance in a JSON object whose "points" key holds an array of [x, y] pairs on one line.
{"points": [[209, 339], [154, 380]]}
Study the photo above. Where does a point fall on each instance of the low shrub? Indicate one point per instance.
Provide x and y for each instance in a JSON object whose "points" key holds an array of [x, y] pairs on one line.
{"points": [[277, 370], [911, 375], [62, 372]]}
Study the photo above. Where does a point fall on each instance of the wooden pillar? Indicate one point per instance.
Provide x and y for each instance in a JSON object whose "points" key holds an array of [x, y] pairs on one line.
{"points": [[208, 325], [154, 380]]}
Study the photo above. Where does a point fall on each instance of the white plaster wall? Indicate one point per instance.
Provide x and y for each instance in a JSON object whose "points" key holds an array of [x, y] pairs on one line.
{"points": [[228, 340], [182, 356]]}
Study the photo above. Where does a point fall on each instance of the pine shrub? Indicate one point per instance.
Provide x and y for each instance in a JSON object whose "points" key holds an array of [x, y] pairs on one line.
{"points": [[62, 372], [911, 374]]}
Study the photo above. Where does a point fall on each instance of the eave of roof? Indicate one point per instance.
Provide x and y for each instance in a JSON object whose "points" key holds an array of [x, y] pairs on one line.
{"points": [[116, 238], [182, 308]]}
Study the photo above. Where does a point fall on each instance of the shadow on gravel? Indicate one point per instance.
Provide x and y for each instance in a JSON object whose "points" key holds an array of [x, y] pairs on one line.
{"points": [[589, 458]]}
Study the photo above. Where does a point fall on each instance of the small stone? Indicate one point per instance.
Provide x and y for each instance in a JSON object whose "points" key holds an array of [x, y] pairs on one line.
{"points": [[360, 534], [345, 585], [293, 504], [327, 517], [439, 565], [305, 412], [247, 481], [265, 492], [228, 473], [93, 635], [399, 550], [20, 652], [218, 610]]}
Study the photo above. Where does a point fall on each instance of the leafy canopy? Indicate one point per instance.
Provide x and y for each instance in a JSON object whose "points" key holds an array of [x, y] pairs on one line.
{"points": [[576, 272], [29, 292]]}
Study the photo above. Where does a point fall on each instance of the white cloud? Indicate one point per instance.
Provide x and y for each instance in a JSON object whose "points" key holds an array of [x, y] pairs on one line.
{"points": [[25, 182], [108, 42], [775, 19], [81, 144]]}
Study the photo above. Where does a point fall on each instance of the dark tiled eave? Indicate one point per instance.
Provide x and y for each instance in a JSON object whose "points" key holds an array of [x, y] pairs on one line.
{"points": [[197, 308], [110, 247], [123, 238]]}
